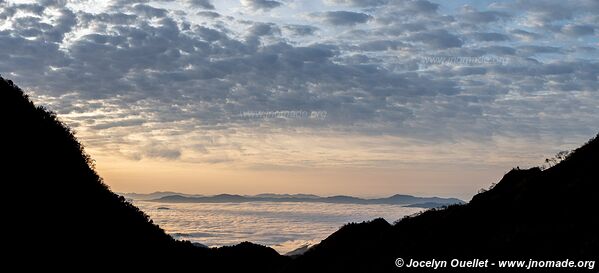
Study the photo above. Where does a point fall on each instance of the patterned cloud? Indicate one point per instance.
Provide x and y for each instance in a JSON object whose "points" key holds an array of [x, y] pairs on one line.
{"points": [[170, 79]]}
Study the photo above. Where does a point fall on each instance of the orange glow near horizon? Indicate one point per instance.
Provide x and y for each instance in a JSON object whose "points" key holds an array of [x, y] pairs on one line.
{"points": [[149, 176], [326, 164]]}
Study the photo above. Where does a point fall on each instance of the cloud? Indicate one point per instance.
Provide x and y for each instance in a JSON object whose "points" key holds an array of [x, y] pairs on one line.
{"points": [[263, 5], [263, 29], [343, 18], [359, 3], [543, 14], [149, 11], [158, 74], [161, 152], [121, 123], [209, 14], [525, 35], [489, 36], [438, 39], [534, 49], [498, 50], [407, 8], [301, 30], [483, 17], [578, 30], [381, 45], [204, 4], [419, 6]]}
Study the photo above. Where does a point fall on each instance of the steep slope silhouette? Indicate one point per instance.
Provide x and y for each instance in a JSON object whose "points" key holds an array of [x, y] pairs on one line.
{"points": [[529, 214], [60, 214]]}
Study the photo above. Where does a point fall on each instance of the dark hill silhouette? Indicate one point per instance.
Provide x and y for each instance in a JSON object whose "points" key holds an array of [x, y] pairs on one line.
{"points": [[70, 218], [529, 214], [338, 199]]}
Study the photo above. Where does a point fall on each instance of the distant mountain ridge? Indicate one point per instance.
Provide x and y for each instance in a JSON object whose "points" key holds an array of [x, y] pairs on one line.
{"points": [[154, 195], [397, 199]]}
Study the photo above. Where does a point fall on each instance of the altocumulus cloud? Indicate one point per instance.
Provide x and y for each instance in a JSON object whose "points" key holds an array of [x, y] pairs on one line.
{"points": [[130, 74], [340, 18], [205, 4], [261, 4]]}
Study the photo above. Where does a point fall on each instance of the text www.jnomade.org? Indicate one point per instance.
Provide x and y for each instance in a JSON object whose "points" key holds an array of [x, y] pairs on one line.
{"points": [[486, 263]]}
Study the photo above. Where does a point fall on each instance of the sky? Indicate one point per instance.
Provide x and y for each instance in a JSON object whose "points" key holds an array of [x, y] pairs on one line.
{"points": [[360, 97]]}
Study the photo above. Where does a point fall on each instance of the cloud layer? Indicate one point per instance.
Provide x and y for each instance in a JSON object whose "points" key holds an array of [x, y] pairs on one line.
{"points": [[168, 80]]}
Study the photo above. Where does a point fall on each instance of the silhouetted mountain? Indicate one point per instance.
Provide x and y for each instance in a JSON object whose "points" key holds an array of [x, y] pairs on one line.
{"points": [[298, 251], [338, 199], [428, 205], [276, 195], [409, 199], [153, 195], [530, 214], [71, 220], [160, 194]]}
